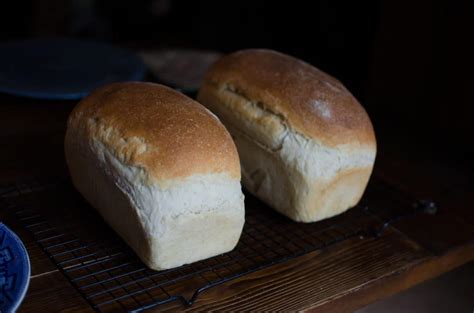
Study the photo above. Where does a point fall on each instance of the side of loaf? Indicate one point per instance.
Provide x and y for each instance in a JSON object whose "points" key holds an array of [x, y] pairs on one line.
{"points": [[161, 170], [306, 146]]}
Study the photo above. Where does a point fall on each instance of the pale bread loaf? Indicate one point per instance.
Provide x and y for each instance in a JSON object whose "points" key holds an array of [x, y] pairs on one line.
{"points": [[161, 170], [306, 146]]}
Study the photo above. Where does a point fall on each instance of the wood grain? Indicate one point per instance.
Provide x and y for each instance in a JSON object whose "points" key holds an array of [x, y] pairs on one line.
{"points": [[313, 279], [53, 293], [400, 280]]}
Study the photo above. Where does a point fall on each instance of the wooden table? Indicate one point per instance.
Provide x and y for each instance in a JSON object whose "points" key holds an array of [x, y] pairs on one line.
{"points": [[341, 278]]}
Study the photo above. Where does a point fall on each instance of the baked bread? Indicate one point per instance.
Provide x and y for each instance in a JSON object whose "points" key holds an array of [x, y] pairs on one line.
{"points": [[160, 168], [306, 146]]}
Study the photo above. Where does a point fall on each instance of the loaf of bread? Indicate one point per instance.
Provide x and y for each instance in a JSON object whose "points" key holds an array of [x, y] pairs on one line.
{"points": [[306, 146], [160, 168]]}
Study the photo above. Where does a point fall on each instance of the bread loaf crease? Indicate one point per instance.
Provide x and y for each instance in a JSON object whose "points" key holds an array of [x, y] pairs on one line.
{"points": [[300, 151]]}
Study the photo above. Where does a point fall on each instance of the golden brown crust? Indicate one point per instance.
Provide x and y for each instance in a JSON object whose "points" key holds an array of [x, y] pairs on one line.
{"points": [[153, 127], [311, 102]]}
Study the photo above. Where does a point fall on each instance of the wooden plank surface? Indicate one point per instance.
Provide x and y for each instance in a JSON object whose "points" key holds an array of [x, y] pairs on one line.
{"points": [[315, 278], [51, 292], [341, 278], [399, 280]]}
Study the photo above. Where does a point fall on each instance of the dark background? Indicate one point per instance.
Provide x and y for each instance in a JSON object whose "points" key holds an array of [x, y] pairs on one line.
{"points": [[410, 64]]}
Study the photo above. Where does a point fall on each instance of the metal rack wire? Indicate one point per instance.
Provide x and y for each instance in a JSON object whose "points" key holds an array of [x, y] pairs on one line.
{"points": [[110, 276]]}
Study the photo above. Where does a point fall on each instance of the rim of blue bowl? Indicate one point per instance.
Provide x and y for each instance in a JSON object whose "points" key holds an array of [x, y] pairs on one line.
{"points": [[26, 269]]}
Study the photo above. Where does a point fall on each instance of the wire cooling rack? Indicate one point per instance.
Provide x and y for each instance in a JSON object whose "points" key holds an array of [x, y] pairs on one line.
{"points": [[111, 278]]}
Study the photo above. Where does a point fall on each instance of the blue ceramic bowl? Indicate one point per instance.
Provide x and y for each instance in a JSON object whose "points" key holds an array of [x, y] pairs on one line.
{"points": [[66, 69], [14, 270]]}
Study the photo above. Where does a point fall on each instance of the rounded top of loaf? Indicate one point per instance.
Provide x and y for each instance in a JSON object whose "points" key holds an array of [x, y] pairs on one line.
{"points": [[156, 129], [308, 100]]}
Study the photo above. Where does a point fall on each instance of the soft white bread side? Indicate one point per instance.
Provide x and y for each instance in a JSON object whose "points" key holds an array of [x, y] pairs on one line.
{"points": [[185, 212], [306, 146]]}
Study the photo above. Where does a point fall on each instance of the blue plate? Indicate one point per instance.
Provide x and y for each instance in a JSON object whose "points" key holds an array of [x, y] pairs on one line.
{"points": [[14, 270], [67, 69]]}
